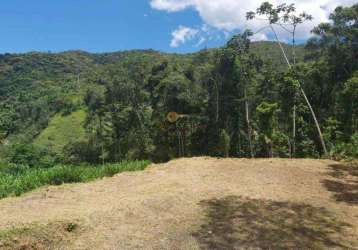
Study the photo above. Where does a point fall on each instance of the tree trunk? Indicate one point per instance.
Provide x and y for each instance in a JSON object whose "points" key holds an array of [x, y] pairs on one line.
{"points": [[304, 95], [183, 142], [179, 142], [102, 155], [293, 149], [249, 130], [294, 44], [217, 103], [293, 152], [316, 122]]}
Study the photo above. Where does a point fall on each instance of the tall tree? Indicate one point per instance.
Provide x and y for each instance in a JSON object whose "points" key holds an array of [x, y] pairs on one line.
{"points": [[285, 15]]}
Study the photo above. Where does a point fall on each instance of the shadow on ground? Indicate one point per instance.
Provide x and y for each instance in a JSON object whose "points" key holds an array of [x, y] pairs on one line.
{"points": [[242, 223], [345, 183]]}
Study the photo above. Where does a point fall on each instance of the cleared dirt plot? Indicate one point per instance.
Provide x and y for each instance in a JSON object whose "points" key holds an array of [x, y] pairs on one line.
{"points": [[198, 203]]}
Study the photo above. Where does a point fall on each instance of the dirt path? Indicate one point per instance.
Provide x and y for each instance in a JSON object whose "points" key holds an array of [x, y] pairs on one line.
{"points": [[203, 203]]}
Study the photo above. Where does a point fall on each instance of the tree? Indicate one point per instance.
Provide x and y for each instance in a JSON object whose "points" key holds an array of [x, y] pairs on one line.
{"points": [[246, 65], [337, 44], [224, 143], [285, 15], [267, 123]]}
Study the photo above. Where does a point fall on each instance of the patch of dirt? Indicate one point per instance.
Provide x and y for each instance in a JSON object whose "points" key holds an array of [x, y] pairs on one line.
{"points": [[54, 235], [203, 203]]}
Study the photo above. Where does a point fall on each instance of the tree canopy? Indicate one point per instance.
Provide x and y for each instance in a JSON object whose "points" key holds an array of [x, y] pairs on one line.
{"points": [[232, 101]]}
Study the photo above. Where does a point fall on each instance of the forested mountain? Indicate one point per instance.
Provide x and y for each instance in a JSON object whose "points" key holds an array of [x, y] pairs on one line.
{"points": [[235, 101]]}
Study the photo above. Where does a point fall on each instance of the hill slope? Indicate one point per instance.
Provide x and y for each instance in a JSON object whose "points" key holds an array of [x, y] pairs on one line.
{"points": [[35, 86], [193, 203], [233, 101], [62, 130]]}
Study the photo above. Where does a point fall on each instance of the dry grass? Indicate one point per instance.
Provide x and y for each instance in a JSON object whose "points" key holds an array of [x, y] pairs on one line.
{"points": [[55, 235], [203, 203]]}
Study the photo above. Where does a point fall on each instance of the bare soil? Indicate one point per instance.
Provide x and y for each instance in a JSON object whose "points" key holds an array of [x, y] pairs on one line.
{"points": [[196, 203]]}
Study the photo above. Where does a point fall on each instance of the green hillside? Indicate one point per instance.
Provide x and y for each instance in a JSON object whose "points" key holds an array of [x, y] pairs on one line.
{"points": [[270, 51], [61, 131], [237, 100]]}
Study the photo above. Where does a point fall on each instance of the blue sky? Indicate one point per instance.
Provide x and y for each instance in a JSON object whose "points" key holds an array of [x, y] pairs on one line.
{"points": [[113, 25], [91, 25]]}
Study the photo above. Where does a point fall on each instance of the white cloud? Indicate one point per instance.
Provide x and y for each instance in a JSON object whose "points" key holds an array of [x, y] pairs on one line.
{"points": [[230, 15], [182, 35], [259, 37], [171, 5]]}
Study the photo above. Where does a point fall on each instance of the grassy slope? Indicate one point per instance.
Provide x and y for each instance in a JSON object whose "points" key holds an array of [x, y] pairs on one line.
{"points": [[270, 51], [62, 130]]}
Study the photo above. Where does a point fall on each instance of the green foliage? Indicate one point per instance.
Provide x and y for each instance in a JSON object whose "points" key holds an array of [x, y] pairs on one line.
{"points": [[270, 52], [30, 155], [267, 124], [104, 108], [18, 183], [61, 131], [348, 149], [35, 86]]}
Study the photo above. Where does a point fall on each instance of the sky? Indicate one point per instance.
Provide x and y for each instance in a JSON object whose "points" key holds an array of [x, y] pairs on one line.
{"points": [[179, 26]]}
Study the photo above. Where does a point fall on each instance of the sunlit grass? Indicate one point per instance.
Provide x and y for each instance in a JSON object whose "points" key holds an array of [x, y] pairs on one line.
{"points": [[61, 131], [16, 183]]}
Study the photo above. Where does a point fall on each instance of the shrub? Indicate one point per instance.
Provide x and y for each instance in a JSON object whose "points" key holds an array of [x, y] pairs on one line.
{"points": [[81, 151], [345, 149], [30, 155]]}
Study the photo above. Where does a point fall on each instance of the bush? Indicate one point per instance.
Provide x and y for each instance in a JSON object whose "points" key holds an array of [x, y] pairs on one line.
{"points": [[13, 169], [354, 145], [345, 150], [27, 179], [30, 155], [81, 151]]}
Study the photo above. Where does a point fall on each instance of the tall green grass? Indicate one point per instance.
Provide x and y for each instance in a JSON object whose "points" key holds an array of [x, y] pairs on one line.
{"points": [[15, 183]]}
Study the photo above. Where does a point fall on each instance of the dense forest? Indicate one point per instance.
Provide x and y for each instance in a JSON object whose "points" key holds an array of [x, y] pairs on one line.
{"points": [[241, 100]]}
